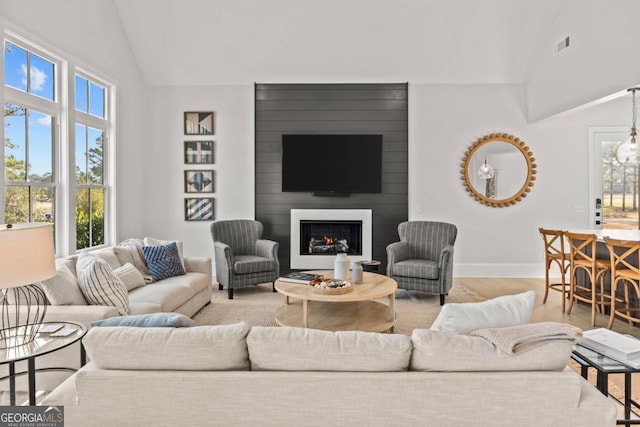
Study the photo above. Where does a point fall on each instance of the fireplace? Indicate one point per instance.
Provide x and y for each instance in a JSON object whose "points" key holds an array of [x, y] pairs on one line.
{"points": [[330, 237], [317, 235]]}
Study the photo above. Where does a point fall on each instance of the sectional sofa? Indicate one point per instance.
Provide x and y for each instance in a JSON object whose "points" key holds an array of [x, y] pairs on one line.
{"points": [[184, 293], [274, 376]]}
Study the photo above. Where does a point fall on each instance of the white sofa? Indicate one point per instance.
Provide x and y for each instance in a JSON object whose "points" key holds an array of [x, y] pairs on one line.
{"points": [[268, 376], [185, 294]]}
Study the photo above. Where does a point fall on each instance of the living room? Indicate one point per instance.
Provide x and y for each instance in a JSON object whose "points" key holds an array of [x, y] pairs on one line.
{"points": [[471, 68]]}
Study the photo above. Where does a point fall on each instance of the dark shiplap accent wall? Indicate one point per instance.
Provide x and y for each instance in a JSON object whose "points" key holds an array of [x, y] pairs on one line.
{"points": [[338, 109]]}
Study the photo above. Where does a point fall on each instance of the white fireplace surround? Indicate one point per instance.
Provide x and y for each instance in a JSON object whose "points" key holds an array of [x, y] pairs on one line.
{"points": [[323, 262]]}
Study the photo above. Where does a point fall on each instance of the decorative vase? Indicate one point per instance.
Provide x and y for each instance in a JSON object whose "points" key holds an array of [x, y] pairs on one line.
{"points": [[356, 273], [341, 267]]}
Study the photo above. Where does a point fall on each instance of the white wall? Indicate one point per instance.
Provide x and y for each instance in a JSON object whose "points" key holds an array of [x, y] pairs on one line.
{"points": [[444, 120], [89, 33], [164, 172]]}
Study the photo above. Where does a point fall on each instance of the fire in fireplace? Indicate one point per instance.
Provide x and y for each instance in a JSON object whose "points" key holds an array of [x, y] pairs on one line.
{"points": [[330, 237]]}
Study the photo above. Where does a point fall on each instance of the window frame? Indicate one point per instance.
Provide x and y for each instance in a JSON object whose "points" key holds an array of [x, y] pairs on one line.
{"points": [[64, 119], [32, 101]]}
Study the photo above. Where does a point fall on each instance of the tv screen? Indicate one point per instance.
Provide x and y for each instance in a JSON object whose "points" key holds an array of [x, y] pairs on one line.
{"points": [[332, 163]]}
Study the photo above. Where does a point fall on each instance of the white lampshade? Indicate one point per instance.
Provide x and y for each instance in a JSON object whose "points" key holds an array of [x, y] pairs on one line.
{"points": [[26, 254]]}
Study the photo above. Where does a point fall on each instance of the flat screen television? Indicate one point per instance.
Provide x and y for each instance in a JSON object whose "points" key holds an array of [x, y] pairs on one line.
{"points": [[332, 164]]}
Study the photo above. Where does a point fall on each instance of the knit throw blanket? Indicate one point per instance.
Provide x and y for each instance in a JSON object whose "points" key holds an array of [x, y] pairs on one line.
{"points": [[518, 339]]}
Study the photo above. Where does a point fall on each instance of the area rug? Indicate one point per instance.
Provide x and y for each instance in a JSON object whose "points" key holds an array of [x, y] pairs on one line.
{"points": [[257, 305]]}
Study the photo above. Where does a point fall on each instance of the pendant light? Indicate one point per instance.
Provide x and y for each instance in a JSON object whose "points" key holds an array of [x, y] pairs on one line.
{"points": [[627, 152], [485, 171]]}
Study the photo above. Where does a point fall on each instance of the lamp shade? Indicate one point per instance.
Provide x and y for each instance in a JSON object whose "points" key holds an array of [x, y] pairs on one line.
{"points": [[26, 254]]}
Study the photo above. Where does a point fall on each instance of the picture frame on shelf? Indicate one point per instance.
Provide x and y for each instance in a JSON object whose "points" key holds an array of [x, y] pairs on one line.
{"points": [[198, 208], [198, 123], [198, 181], [198, 152]]}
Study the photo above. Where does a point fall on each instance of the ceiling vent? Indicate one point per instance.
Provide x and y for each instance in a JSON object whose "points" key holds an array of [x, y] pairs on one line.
{"points": [[561, 45]]}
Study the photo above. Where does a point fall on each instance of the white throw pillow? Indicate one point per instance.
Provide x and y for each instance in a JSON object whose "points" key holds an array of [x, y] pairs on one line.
{"points": [[109, 255], [130, 250], [463, 318], [130, 276], [150, 241], [62, 289], [100, 285]]}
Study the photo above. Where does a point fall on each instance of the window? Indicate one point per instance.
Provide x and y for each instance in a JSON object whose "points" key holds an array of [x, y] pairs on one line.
{"points": [[90, 133], [29, 138], [54, 157]]}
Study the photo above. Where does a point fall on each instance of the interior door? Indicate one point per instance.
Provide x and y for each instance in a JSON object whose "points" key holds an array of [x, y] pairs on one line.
{"points": [[613, 187]]}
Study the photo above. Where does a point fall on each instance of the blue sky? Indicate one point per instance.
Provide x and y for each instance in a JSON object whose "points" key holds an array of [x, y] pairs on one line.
{"points": [[41, 76]]}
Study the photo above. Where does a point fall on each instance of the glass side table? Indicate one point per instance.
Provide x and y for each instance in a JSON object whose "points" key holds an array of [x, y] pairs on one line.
{"points": [[44, 343], [604, 366]]}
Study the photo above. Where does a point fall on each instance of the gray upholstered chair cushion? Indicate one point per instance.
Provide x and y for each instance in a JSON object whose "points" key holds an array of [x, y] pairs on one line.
{"points": [[245, 264], [422, 268]]}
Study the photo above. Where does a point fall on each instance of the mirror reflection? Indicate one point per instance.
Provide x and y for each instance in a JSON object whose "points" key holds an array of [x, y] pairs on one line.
{"points": [[498, 170], [509, 170]]}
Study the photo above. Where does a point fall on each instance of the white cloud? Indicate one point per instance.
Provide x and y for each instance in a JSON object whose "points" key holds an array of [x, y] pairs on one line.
{"points": [[44, 120], [38, 78]]}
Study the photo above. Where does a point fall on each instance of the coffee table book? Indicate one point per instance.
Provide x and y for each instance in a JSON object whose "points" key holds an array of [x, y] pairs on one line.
{"points": [[302, 278], [623, 348]]}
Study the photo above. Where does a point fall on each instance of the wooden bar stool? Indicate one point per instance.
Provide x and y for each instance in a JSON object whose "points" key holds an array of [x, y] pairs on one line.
{"points": [[554, 253], [625, 258], [583, 257]]}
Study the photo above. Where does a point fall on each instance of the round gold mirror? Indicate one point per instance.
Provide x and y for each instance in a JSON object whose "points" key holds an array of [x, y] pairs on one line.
{"points": [[498, 170]]}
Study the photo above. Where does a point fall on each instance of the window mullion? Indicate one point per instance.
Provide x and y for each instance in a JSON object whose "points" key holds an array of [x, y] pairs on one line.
{"points": [[26, 145]]}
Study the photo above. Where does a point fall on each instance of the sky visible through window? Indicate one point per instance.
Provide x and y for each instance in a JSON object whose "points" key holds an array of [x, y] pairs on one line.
{"points": [[28, 72]]}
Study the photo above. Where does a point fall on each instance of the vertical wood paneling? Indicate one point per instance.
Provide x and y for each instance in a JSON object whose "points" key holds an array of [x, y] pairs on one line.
{"points": [[324, 109]]}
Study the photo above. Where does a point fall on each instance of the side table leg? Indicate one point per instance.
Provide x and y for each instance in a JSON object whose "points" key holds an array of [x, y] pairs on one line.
{"points": [[627, 396], [305, 313], [392, 307], [584, 371], [12, 383], [31, 363], [83, 355]]}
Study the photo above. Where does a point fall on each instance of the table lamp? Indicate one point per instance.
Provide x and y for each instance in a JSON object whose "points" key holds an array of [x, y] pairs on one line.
{"points": [[26, 258]]}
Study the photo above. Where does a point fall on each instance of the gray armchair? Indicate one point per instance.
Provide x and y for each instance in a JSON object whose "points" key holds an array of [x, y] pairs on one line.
{"points": [[242, 257], [423, 258]]}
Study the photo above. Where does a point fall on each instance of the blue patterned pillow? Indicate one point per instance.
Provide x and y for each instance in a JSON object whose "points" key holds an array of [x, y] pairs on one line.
{"points": [[163, 261], [154, 320]]}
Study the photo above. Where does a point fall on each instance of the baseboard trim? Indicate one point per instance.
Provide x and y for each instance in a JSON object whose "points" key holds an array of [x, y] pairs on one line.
{"points": [[499, 270]]}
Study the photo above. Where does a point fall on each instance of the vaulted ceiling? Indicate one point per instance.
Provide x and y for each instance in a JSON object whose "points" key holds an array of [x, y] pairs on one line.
{"points": [[205, 42]]}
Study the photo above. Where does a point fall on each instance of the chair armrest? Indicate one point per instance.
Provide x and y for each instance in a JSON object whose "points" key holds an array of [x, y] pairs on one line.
{"points": [[445, 264], [396, 252], [446, 255], [267, 249], [198, 265], [224, 263]]}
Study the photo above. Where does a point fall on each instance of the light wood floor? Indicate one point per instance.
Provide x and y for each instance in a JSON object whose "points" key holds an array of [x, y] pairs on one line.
{"points": [[552, 311]]}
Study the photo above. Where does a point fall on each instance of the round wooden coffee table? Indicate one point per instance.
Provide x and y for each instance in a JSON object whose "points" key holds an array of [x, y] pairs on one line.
{"points": [[358, 310]]}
